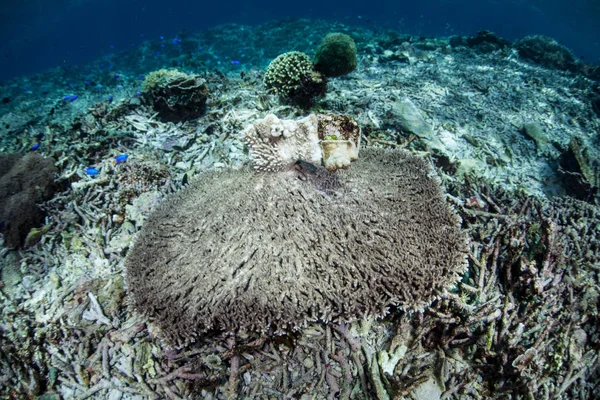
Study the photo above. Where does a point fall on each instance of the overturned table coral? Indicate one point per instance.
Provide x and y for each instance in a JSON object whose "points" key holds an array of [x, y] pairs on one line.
{"points": [[247, 251]]}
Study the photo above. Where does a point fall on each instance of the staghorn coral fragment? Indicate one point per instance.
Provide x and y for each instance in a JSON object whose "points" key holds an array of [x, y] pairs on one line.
{"points": [[239, 251]]}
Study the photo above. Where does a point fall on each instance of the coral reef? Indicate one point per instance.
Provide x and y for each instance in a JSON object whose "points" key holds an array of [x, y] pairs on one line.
{"points": [[24, 184], [175, 95], [273, 251], [522, 323], [336, 55]]}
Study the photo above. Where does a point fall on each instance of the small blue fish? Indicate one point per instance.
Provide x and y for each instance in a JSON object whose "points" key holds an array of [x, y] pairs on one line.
{"points": [[176, 41], [73, 98], [235, 62], [121, 158], [91, 171], [35, 146], [117, 76], [67, 97], [110, 99]]}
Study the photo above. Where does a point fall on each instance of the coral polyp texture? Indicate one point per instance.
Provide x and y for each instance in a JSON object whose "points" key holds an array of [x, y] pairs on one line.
{"points": [[175, 95], [240, 251], [291, 75], [331, 140]]}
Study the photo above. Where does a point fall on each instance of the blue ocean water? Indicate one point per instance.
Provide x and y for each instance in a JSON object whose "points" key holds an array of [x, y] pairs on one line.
{"points": [[38, 34]]}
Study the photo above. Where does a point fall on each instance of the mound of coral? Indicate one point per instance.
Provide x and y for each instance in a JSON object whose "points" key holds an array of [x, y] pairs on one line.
{"points": [[25, 182], [242, 251]]}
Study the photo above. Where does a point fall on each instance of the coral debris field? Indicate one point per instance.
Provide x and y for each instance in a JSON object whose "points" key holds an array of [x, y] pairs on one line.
{"points": [[511, 129]]}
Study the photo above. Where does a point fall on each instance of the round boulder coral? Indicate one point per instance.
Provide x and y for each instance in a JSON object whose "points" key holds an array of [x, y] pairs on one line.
{"points": [[245, 251], [336, 55]]}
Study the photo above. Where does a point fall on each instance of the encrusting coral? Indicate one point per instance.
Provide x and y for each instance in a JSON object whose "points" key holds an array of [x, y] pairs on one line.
{"points": [[240, 251]]}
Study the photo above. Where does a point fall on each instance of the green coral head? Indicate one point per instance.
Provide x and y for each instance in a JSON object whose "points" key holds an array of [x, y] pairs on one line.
{"points": [[336, 55]]}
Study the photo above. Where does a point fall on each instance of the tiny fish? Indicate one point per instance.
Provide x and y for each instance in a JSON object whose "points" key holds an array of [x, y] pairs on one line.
{"points": [[73, 98], [235, 62], [91, 171], [117, 76], [35, 146], [121, 158], [110, 99], [67, 97], [176, 41]]}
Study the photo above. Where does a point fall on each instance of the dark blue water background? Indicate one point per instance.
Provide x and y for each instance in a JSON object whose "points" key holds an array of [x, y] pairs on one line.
{"points": [[37, 34]]}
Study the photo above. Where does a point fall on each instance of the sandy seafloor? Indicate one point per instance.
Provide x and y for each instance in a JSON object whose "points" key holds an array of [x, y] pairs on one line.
{"points": [[523, 323]]}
